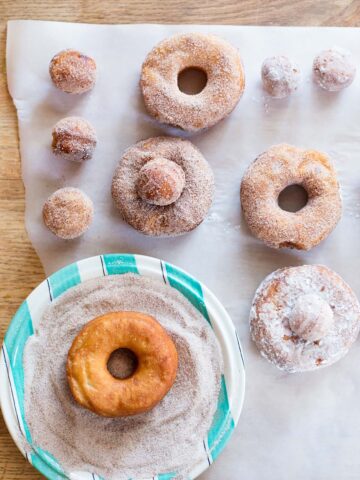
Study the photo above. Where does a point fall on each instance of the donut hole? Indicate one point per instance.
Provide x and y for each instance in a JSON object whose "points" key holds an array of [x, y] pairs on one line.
{"points": [[192, 80], [293, 198], [122, 363]]}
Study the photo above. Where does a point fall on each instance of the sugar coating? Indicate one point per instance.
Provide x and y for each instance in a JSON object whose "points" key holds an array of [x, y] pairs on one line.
{"points": [[281, 77], [160, 182], [334, 69], [68, 213], [74, 139], [274, 170], [181, 216], [168, 438], [72, 71], [311, 317], [272, 307], [159, 80]]}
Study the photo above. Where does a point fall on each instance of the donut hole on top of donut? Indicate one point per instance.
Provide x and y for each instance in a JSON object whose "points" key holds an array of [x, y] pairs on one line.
{"points": [[293, 198], [192, 80], [122, 363]]}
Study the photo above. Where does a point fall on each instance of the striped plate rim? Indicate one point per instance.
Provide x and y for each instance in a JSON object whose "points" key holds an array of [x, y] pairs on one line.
{"points": [[25, 322]]}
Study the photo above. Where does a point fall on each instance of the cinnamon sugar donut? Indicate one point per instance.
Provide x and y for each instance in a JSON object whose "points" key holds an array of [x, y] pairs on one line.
{"points": [[163, 186], [274, 170], [68, 213], [91, 383], [303, 318], [214, 56], [72, 71], [74, 139], [280, 76]]}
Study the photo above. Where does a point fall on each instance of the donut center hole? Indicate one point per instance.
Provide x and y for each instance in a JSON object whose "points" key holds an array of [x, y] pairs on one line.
{"points": [[122, 363], [192, 80], [293, 198]]}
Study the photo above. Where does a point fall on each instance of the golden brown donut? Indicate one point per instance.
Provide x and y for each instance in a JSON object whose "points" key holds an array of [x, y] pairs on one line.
{"points": [[222, 65], [274, 170], [95, 388]]}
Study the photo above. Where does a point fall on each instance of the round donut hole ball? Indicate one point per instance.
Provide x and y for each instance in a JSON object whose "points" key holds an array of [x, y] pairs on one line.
{"points": [[192, 80], [311, 317], [334, 69], [160, 182], [293, 198], [122, 363], [280, 76], [68, 213], [73, 72], [74, 139]]}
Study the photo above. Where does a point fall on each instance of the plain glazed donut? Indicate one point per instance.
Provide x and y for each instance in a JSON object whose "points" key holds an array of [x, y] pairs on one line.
{"points": [[96, 389], [303, 318], [274, 170], [163, 186], [220, 62]]}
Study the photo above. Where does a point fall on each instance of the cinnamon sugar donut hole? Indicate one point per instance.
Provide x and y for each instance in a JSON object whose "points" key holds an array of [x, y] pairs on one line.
{"points": [[68, 213], [74, 139], [214, 56], [304, 318], [163, 186], [280, 76], [274, 170], [73, 72], [334, 69]]}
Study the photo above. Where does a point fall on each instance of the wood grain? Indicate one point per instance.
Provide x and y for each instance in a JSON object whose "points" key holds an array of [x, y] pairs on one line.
{"points": [[20, 269]]}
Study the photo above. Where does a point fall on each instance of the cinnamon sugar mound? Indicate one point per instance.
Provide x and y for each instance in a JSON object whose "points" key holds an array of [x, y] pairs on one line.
{"points": [[169, 438]]}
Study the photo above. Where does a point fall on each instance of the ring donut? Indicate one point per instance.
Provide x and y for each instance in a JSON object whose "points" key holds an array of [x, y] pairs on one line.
{"points": [[214, 56], [96, 389], [274, 170]]}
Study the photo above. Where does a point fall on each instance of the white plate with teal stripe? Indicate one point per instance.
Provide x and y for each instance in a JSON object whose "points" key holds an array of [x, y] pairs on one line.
{"points": [[27, 317]]}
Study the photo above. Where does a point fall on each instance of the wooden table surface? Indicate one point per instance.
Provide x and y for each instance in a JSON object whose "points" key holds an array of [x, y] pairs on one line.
{"points": [[20, 269]]}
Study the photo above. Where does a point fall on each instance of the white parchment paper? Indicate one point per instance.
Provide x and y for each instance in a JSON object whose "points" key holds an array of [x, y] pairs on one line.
{"points": [[292, 426]]}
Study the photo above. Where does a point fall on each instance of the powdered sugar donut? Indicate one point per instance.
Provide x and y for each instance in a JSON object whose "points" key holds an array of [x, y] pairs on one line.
{"points": [[220, 62], [163, 186], [334, 69], [274, 170], [280, 76], [295, 337]]}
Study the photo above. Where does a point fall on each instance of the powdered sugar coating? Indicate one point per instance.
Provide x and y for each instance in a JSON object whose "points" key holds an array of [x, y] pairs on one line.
{"points": [[72, 71], [274, 170], [311, 317], [68, 213], [74, 139], [159, 80], [334, 69], [169, 438], [281, 77], [188, 211], [160, 182], [272, 306]]}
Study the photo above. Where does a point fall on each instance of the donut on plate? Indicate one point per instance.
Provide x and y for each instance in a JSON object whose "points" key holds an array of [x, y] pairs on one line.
{"points": [[163, 186], [212, 55], [274, 170], [303, 318], [91, 383]]}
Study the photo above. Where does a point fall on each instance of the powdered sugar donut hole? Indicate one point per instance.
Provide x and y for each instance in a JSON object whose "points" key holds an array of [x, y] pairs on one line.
{"points": [[334, 69], [280, 76]]}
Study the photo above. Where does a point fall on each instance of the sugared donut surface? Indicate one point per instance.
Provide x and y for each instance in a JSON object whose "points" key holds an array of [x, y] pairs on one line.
{"points": [[72, 71], [274, 170], [214, 56], [303, 318], [91, 383], [68, 213], [334, 69], [74, 139], [163, 186]]}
